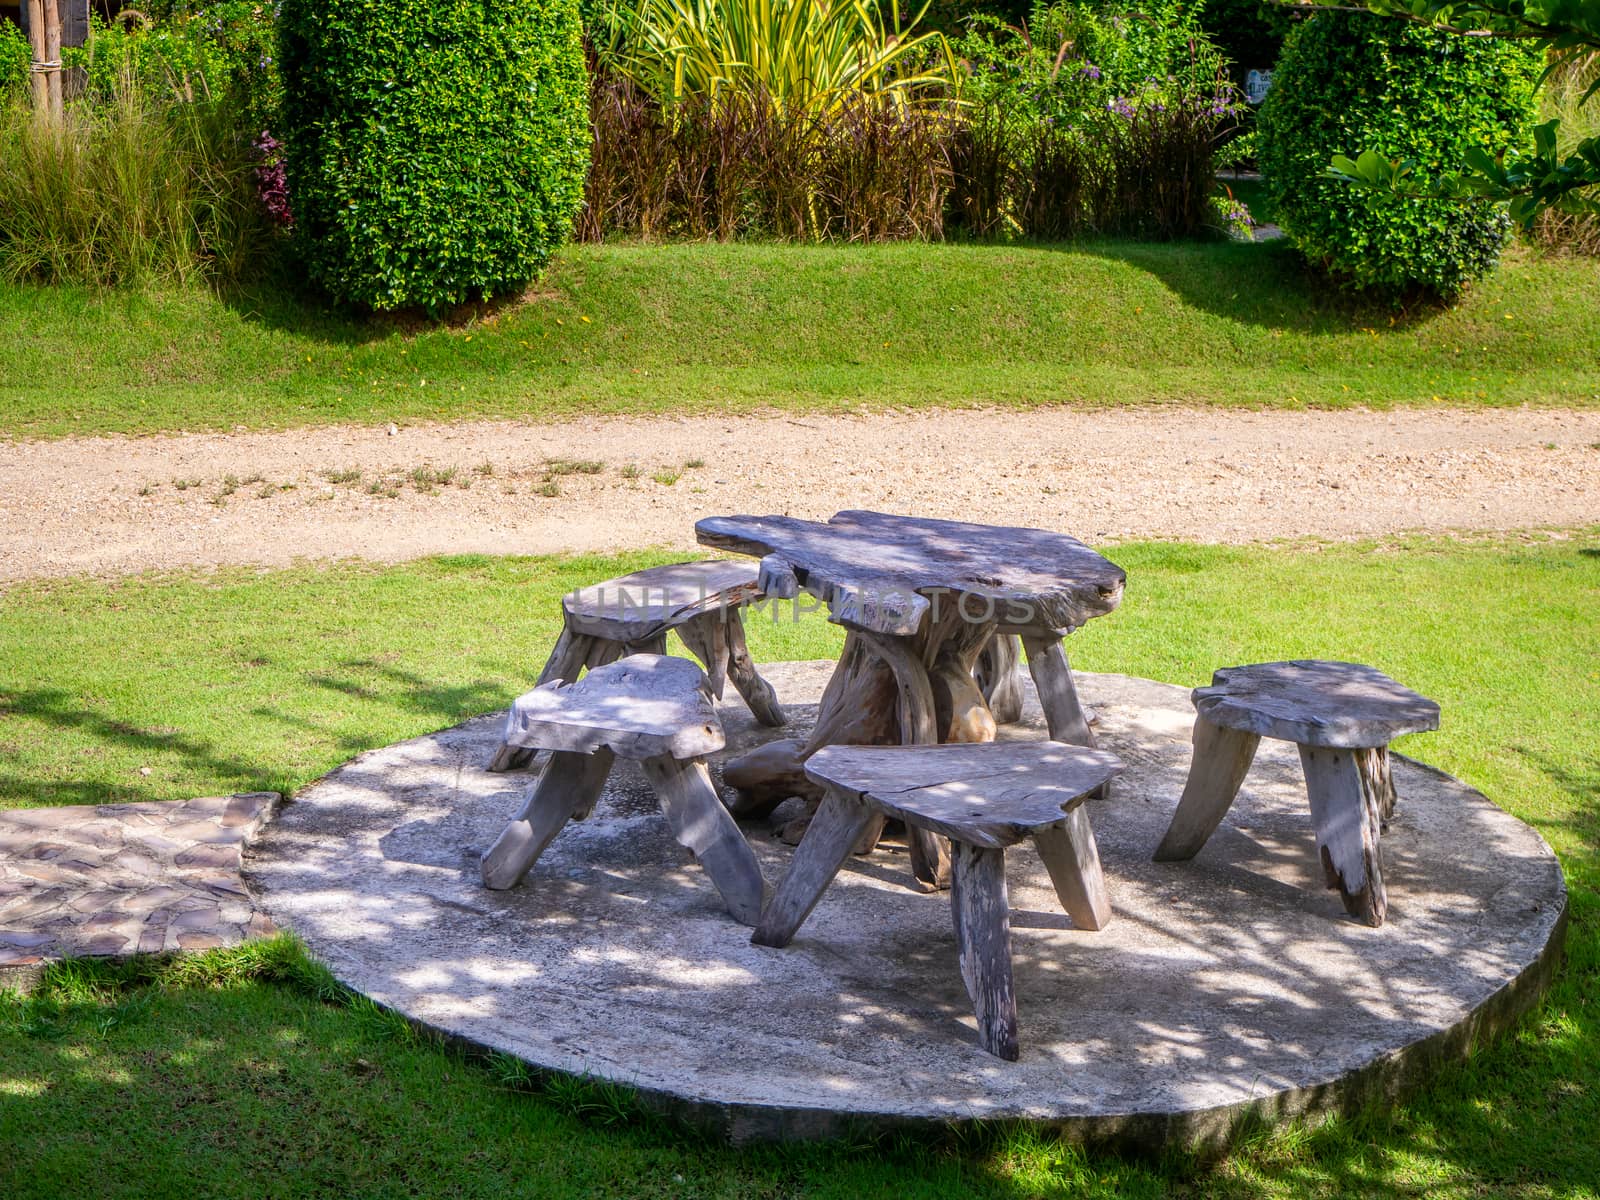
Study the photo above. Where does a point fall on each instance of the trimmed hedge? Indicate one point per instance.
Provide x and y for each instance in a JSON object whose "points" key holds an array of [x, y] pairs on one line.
{"points": [[1349, 82], [436, 149]]}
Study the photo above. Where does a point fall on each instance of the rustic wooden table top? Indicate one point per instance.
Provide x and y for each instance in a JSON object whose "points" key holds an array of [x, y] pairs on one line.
{"points": [[882, 573]]}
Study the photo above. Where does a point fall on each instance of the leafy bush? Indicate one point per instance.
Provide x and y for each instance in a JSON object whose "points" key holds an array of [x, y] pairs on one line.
{"points": [[1351, 81], [435, 151], [1097, 119], [128, 187], [806, 56], [226, 50], [15, 57]]}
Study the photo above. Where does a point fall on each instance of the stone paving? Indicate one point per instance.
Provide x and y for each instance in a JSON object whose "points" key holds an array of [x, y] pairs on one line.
{"points": [[120, 879]]}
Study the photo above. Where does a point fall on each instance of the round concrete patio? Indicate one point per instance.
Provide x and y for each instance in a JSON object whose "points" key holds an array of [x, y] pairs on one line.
{"points": [[1231, 983]]}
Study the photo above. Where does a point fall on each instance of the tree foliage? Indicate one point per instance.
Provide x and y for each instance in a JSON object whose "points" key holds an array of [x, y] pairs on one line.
{"points": [[1529, 179]]}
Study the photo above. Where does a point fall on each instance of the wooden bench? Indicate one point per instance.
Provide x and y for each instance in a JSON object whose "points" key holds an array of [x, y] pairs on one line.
{"points": [[649, 708], [984, 797], [633, 614], [1343, 717]]}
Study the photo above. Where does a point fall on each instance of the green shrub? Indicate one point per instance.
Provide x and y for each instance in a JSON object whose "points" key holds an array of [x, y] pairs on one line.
{"points": [[1349, 82], [15, 56], [436, 149], [226, 50]]}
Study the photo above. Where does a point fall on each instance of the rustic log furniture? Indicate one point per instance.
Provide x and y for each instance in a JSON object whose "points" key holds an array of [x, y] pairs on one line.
{"points": [[1343, 717], [920, 600], [647, 707], [633, 614], [984, 798]]}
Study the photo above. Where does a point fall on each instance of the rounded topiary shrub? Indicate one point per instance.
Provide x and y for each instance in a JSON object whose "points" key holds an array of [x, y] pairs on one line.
{"points": [[1349, 82], [436, 149]]}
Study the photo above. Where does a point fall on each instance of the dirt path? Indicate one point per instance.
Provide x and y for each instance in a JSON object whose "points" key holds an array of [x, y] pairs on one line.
{"points": [[115, 505]]}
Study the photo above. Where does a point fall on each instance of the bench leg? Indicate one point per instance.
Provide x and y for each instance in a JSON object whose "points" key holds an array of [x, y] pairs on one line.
{"points": [[757, 692], [1376, 777], [834, 832], [567, 788], [1073, 860], [1222, 758], [701, 823], [564, 664], [999, 678], [1346, 811], [982, 912]]}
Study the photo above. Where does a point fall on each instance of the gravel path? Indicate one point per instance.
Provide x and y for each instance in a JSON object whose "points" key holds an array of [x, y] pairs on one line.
{"points": [[117, 505]]}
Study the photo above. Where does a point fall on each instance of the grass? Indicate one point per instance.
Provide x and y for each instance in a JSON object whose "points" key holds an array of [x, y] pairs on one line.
{"points": [[690, 328], [245, 1074]]}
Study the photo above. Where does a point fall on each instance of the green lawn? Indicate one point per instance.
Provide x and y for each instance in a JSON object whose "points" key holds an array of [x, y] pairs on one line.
{"points": [[704, 327], [243, 1076]]}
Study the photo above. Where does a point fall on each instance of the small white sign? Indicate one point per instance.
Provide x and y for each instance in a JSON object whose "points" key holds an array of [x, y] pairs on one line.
{"points": [[1256, 86]]}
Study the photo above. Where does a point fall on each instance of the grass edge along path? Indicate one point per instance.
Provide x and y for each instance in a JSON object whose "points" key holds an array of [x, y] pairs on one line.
{"points": [[709, 328], [235, 1076]]}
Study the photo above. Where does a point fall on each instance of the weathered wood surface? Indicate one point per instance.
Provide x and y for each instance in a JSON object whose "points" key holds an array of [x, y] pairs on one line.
{"points": [[645, 604], [1314, 703], [640, 707], [1346, 813], [991, 794], [998, 674], [886, 574], [1070, 854], [835, 831], [1222, 759], [981, 908], [566, 789], [1058, 693], [702, 825]]}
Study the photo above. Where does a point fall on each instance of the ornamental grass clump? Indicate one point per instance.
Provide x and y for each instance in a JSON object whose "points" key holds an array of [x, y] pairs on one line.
{"points": [[809, 57], [126, 188]]}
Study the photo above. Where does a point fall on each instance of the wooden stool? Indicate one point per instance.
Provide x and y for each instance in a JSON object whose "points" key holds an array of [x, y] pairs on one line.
{"points": [[633, 614], [1343, 717], [647, 707], [983, 797]]}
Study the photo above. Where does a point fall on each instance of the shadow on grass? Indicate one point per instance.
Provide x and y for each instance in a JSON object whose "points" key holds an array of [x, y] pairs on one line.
{"points": [[1264, 284], [419, 704]]}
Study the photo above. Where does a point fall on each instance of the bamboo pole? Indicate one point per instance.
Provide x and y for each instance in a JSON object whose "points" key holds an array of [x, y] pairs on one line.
{"points": [[52, 49], [41, 86]]}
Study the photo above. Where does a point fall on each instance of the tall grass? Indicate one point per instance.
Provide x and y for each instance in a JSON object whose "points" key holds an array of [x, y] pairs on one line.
{"points": [[746, 164], [126, 187], [1562, 100]]}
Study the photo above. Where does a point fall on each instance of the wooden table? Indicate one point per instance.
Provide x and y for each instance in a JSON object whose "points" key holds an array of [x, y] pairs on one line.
{"points": [[920, 600]]}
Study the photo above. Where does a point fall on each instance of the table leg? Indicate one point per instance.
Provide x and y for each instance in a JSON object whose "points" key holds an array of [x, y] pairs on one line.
{"points": [[1058, 694], [930, 854], [998, 674]]}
